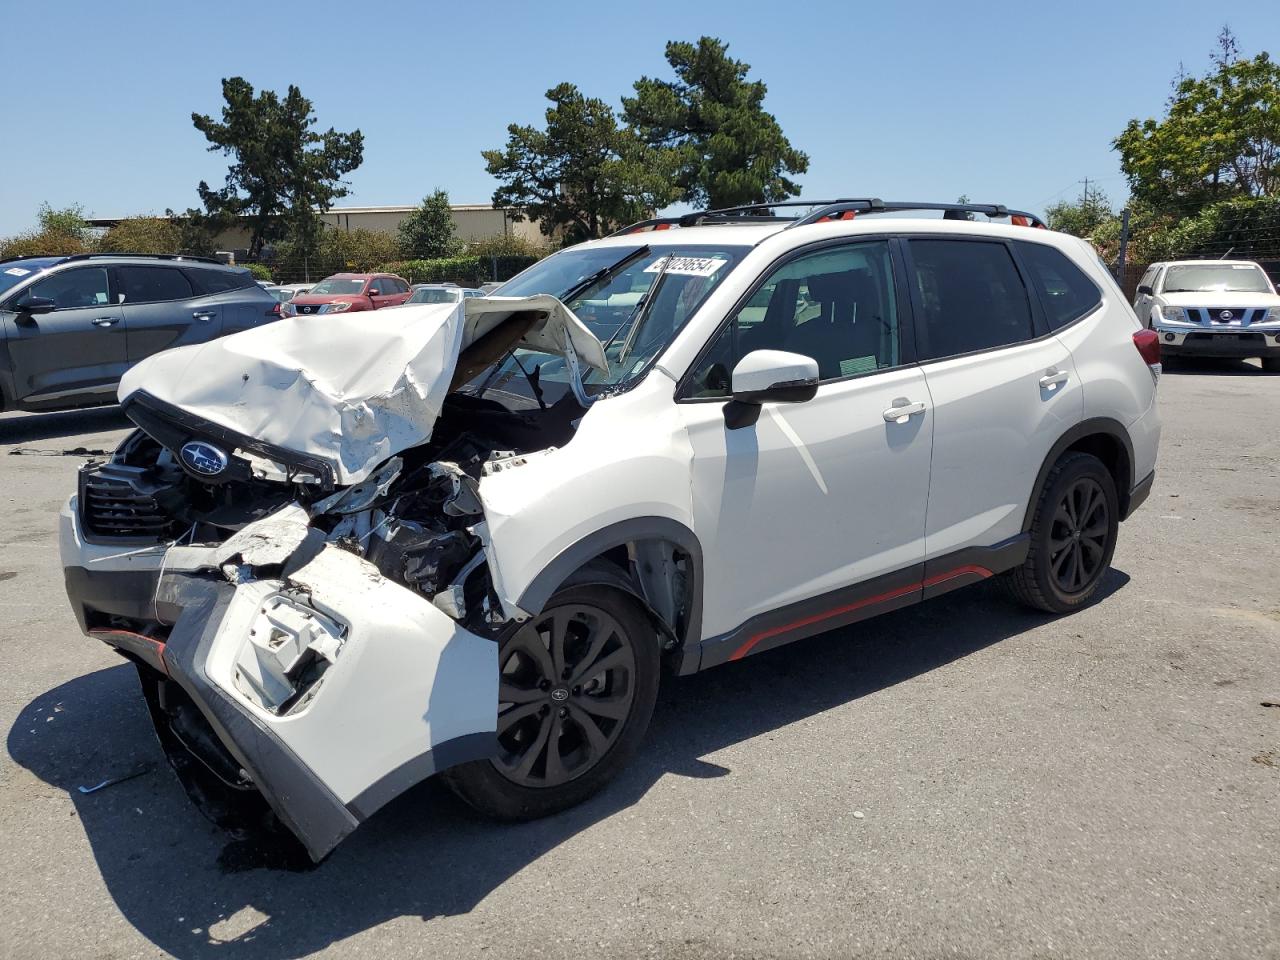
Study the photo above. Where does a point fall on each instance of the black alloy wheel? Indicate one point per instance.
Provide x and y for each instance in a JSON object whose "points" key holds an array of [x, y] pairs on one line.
{"points": [[576, 688], [567, 682], [1078, 536], [1072, 536]]}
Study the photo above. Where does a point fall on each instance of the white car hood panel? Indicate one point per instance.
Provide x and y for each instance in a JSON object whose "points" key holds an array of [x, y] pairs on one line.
{"points": [[353, 388], [1219, 298]]}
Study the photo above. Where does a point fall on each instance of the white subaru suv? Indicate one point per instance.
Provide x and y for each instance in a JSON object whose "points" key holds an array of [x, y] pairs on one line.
{"points": [[347, 553]]}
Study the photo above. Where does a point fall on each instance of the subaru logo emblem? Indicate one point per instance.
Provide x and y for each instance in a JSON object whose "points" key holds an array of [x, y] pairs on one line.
{"points": [[559, 694], [203, 458], [1225, 315]]}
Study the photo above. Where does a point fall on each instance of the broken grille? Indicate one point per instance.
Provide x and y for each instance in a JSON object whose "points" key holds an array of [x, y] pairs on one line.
{"points": [[118, 503]]}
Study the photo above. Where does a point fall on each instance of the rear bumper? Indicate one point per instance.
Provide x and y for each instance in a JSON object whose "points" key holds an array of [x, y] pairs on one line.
{"points": [[1139, 494], [1190, 342]]}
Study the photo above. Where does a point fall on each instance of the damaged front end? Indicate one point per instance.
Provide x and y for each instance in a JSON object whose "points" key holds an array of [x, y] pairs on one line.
{"points": [[315, 623]]}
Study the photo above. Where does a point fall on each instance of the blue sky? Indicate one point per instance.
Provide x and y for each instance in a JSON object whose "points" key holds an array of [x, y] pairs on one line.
{"points": [[1007, 102]]}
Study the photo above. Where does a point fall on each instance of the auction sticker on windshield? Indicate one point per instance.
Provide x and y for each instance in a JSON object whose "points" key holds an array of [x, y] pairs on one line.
{"points": [[686, 266], [17, 272]]}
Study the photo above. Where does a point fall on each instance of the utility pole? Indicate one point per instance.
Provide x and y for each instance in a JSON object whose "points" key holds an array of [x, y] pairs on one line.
{"points": [[1124, 245], [1084, 197]]}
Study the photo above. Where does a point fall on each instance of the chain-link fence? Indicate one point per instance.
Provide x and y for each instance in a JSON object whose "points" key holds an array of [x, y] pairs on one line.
{"points": [[1236, 230]]}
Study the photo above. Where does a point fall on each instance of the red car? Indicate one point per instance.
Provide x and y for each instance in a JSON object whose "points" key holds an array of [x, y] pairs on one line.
{"points": [[350, 291]]}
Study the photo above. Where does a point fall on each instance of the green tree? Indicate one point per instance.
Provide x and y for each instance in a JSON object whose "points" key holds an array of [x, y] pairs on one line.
{"points": [[1081, 217], [429, 232], [284, 170], [727, 150], [142, 235], [1219, 138], [584, 174], [333, 251], [59, 233]]}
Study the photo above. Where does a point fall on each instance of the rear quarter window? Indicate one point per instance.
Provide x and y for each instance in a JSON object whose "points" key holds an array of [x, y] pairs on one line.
{"points": [[1065, 292], [209, 280]]}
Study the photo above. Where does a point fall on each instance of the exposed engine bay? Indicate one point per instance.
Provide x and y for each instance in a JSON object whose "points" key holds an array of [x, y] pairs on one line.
{"points": [[290, 588]]}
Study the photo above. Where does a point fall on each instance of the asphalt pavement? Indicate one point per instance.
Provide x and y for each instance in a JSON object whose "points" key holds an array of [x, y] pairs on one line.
{"points": [[960, 779]]}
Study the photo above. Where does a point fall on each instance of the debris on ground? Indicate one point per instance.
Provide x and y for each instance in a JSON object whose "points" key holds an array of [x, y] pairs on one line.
{"points": [[112, 781]]}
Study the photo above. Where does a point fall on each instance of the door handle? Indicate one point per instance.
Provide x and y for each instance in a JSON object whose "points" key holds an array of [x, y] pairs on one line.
{"points": [[1052, 379], [105, 321], [902, 410], [204, 316]]}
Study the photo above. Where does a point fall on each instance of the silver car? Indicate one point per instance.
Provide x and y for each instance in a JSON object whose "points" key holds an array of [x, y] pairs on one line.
{"points": [[1212, 308]]}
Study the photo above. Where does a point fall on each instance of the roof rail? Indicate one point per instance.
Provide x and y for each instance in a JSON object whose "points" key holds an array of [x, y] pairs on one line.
{"points": [[822, 211], [848, 209], [149, 256], [65, 257]]}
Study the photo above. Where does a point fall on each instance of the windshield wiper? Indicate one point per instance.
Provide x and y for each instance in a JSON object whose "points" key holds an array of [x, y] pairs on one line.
{"points": [[642, 309], [603, 273]]}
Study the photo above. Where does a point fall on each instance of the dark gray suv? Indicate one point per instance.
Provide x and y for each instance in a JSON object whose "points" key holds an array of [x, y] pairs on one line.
{"points": [[71, 326]]}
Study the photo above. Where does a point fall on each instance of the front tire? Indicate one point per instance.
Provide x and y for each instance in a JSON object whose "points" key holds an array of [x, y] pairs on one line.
{"points": [[1073, 537], [577, 686]]}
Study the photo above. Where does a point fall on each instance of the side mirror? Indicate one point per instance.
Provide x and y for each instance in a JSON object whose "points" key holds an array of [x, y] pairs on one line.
{"points": [[1145, 290], [774, 376], [34, 305], [768, 376]]}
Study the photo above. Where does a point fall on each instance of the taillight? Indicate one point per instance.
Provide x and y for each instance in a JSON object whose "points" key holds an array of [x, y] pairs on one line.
{"points": [[275, 310], [1148, 344]]}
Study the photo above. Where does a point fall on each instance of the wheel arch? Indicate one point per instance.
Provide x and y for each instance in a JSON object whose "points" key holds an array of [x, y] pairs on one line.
{"points": [[1105, 439], [656, 559]]}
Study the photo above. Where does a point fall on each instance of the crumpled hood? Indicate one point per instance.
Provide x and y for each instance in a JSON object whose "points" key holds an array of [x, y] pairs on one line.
{"points": [[351, 389]]}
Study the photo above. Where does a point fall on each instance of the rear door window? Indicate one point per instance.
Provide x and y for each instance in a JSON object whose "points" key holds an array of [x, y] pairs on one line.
{"points": [[1065, 292], [969, 296], [153, 284]]}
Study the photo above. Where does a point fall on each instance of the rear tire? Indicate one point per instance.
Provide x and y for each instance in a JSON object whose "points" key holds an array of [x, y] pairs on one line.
{"points": [[1073, 537], [1271, 364], [577, 686]]}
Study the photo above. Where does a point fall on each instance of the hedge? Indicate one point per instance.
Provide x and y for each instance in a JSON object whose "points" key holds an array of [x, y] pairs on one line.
{"points": [[464, 271], [260, 271]]}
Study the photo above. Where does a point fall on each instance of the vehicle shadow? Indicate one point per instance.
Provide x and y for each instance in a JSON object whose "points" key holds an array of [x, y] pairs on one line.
{"points": [[19, 427], [195, 892], [1219, 366]]}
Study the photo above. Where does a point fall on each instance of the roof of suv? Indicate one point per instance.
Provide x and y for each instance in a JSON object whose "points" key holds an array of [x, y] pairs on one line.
{"points": [[749, 225]]}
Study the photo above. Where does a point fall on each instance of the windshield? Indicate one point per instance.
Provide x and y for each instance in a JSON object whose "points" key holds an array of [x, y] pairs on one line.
{"points": [[336, 285], [1224, 277], [15, 271], [635, 308], [434, 295]]}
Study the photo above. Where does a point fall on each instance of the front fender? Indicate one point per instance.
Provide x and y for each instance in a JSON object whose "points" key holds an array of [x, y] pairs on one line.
{"points": [[625, 476]]}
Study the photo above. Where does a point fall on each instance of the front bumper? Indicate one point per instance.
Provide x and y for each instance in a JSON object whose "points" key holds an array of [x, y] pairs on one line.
{"points": [[1178, 340], [106, 581], [404, 690]]}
